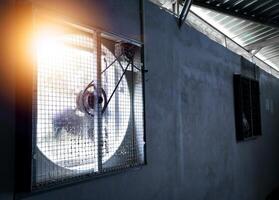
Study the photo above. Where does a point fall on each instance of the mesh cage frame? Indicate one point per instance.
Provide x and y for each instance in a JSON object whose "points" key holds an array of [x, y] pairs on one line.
{"points": [[103, 168]]}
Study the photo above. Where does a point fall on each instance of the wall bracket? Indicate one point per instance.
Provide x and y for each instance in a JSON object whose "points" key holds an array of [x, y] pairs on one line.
{"points": [[184, 12]]}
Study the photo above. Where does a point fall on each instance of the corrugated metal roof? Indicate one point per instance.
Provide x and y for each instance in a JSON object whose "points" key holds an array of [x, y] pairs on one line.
{"points": [[244, 33], [260, 40], [263, 11]]}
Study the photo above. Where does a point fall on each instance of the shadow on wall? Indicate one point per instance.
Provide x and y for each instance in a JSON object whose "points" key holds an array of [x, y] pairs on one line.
{"points": [[274, 195], [6, 101]]}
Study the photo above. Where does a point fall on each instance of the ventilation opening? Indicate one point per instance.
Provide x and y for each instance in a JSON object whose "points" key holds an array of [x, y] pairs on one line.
{"points": [[247, 108], [88, 115]]}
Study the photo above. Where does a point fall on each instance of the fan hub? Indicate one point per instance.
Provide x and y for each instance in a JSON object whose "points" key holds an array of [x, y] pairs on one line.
{"points": [[88, 99]]}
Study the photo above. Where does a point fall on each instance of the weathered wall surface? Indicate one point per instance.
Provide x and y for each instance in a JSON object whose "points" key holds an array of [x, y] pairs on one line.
{"points": [[7, 120], [191, 148]]}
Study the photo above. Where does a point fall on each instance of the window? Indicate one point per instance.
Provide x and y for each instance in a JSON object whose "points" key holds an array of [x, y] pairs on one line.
{"points": [[247, 108], [87, 107]]}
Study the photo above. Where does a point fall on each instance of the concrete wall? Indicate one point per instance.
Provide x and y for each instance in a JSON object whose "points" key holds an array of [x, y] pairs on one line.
{"points": [[7, 120], [191, 148]]}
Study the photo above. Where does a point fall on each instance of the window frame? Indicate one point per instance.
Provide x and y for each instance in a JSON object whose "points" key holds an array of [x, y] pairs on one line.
{"points": [[239, 101]]}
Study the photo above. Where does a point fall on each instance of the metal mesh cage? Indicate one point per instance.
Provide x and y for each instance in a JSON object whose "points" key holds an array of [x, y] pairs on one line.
{"points": [[87, 104]]}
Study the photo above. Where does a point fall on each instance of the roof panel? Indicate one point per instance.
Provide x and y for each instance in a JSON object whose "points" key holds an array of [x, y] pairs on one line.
{"points": [[232, 23], [245, 32], [263, 11]]}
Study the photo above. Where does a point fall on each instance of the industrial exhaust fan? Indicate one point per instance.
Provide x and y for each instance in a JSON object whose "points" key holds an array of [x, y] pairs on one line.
{"points": [[87, 106]]}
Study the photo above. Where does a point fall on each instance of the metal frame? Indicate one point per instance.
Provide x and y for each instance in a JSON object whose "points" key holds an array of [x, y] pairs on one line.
{"points": [[24, 126], [142, 29], [184, 12], [99, 116]]}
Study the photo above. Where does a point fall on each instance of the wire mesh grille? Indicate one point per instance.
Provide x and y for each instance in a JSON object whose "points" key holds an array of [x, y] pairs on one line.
{"points": [[124, 109], [84, 123]]}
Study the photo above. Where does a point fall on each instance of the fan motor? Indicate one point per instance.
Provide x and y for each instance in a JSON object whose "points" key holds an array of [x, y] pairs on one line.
{"points": [[87, 100], [126, 49]]}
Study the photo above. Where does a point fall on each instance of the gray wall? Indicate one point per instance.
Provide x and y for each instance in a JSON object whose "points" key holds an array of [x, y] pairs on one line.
{"points": [[192, 152]]}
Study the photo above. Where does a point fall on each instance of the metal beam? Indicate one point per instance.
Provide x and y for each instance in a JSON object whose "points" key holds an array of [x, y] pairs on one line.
{"points": [[254, 52], [262, 44], [184, 12], [238, 14]]}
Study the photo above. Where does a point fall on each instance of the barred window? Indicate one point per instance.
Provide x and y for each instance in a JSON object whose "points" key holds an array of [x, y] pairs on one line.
{"points": [[247, 108]]}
